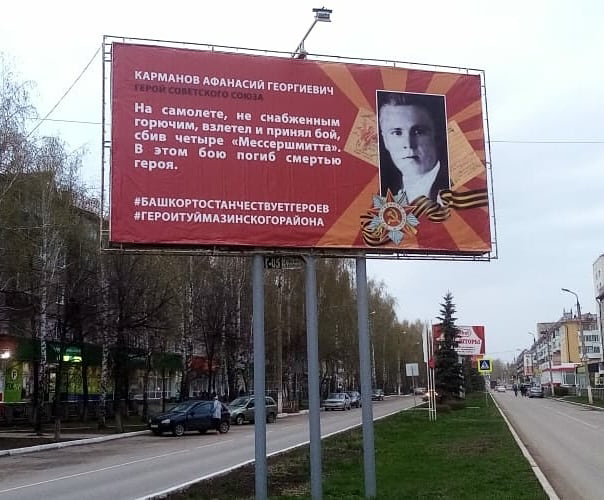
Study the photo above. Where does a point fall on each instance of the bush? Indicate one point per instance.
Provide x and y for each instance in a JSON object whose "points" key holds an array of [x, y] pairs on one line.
{"points": [[561, 391]]}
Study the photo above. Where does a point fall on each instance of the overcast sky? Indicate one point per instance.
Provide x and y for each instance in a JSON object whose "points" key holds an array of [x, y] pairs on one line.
{"points": [[544, 82]]}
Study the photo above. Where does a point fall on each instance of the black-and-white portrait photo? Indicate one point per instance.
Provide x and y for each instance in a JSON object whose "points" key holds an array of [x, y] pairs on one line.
{"points": [[413, 152]]}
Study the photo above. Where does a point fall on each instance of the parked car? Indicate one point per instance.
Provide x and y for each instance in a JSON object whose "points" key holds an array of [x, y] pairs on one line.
{"points": [[193, 415], [377, 395], [420, 390], [500, 388], [242, 410], [337, 401], [355, 398], [535, 392]]}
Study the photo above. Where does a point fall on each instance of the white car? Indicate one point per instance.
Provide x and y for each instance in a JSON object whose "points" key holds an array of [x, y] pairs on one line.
{"points": [[500, 388]]}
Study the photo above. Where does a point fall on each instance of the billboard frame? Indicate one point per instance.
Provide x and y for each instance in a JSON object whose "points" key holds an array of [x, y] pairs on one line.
{"points": [[225, 250]]}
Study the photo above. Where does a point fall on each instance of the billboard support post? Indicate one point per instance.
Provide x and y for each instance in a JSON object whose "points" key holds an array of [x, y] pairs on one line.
{"points": [[314, 396], [260, 467], [365, 368]]}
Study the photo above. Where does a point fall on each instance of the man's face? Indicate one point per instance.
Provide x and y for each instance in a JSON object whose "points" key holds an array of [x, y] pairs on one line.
{"points": [[408, 133]]}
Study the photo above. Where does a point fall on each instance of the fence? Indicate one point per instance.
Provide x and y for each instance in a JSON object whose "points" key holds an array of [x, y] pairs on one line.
{"points": [[597, 394]]}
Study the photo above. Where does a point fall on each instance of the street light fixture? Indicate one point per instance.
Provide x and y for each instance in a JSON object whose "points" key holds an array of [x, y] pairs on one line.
{"points": [[321, 15], [583, 351]]}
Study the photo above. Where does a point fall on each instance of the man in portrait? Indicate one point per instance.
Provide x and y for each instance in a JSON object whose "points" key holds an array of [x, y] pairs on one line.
{"points": [[413, 156]]}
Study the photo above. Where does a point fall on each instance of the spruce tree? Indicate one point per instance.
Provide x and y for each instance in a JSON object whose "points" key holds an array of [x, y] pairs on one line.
{"points": [[449, 378]]}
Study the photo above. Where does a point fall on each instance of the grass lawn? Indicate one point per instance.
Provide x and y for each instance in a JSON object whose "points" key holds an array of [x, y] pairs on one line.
{"points": [[467, 453]]}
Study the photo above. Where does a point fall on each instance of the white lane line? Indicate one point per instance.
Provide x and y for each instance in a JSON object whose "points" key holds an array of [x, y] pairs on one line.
{"points": [[591, 426], [214, 444], [79, 474]]}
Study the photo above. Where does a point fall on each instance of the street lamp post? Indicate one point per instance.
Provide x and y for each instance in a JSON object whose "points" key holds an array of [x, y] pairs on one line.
{"points": [[373, 372], [583, 351], [321, 15], [398, 364]]}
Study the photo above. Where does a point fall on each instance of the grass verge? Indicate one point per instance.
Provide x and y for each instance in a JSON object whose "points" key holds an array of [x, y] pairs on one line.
{"points": [[467, 453]]}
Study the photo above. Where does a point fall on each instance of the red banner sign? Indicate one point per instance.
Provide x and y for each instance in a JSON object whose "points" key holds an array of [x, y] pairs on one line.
{"points": [[225, 149], [470, 339]]}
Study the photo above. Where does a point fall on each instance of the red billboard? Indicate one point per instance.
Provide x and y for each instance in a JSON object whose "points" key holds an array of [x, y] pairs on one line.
{"points": [[222, 149], [470, 339]]}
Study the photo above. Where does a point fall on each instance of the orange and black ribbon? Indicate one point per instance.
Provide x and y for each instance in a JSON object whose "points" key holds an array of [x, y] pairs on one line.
{"points": [[424, 207]]}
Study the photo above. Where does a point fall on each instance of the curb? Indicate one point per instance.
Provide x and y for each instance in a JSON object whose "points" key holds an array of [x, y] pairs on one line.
{"points": [[585, 405], [545, 484], [64, 444]]}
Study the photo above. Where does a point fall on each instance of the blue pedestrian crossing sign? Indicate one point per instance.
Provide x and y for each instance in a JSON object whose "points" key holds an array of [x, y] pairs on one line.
{"points": [[485, 365]]}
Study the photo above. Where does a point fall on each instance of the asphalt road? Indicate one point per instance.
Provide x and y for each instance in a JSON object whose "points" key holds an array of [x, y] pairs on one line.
{"points": [[566, 441], [142, 465]]}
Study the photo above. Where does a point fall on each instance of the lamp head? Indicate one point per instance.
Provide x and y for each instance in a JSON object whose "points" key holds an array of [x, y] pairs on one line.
{"points": [[322, 14]]}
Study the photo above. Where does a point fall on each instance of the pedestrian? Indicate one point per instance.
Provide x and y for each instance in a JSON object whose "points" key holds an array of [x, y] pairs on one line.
{"points": [[216, 413], [515, 387]]}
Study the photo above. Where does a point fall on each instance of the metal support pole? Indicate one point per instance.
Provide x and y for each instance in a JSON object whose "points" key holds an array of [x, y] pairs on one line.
{"points": [[365, 369], [314, 396], [260, 468], [398, 365]]}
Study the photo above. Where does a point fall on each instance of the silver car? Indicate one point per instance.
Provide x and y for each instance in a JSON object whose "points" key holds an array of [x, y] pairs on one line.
{"points": [[242, 410], [337, 401]]}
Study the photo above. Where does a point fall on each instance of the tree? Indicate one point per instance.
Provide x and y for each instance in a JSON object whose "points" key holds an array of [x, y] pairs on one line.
{"points": [[449, 379], [473, 380]]}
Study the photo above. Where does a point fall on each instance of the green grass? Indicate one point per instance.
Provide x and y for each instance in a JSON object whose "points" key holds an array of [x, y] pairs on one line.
{"points": [[467, 453]]}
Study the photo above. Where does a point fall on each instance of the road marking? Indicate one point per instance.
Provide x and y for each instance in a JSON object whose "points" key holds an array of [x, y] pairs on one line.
{"points": [[79, 474], [213, 444], [595, 427]]}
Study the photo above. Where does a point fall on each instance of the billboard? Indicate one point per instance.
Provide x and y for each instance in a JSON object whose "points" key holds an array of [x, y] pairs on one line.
{"points": [[233, 150], [470, 339]]}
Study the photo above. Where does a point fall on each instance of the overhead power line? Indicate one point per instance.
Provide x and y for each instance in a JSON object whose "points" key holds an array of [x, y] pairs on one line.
{"points": [[66, 92]]}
